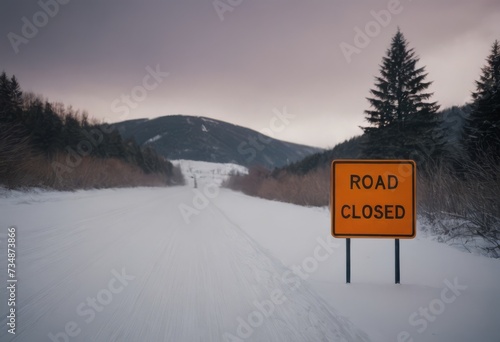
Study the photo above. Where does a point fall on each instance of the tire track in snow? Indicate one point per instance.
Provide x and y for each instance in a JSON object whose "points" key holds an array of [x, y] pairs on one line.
{"points": [[304, 316]]}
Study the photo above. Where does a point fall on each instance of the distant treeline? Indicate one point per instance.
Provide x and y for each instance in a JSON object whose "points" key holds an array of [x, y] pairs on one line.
{"points": [[457, 150], [50, 145]]}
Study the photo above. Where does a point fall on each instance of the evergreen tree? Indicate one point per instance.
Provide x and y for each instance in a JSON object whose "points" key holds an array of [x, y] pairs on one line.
{"points": [[51, 131], [4, 96], [15, 94], [481, 135], [10, 98], [402, 123], [4, 85]]}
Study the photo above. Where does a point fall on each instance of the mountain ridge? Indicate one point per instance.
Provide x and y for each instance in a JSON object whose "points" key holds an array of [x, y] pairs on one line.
{"points": [[207, 139]]}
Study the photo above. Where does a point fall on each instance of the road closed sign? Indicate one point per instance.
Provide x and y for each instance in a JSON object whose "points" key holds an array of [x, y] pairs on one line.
{"points": [[373, 199]]}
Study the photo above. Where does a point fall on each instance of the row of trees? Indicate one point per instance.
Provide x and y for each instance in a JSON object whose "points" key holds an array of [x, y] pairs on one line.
{"points": [[404, 122], [52, 129], [460, 181]]}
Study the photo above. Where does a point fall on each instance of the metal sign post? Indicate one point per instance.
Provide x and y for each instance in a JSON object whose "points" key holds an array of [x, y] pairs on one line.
{"points": [[397, 262], [348, 260]]}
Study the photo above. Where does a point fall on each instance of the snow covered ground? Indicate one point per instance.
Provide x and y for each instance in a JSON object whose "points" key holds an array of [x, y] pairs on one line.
{"points": [[209, 264], [207, 172]]}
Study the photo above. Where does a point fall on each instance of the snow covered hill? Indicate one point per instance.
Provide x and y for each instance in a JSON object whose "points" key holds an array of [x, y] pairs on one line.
{"points": [[209, 264], [207, 139]]}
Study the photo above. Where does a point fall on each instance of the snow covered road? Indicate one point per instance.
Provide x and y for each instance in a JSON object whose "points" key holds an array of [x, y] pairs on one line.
{"points": [[139, 265], [125, 265]]}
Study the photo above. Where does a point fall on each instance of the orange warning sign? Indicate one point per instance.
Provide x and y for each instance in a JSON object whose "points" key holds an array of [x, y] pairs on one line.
{"points": [[373, 198]]}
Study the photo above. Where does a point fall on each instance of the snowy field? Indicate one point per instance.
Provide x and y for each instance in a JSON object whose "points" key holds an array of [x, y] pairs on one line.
{"points": [[206, 172], [209, 264]]}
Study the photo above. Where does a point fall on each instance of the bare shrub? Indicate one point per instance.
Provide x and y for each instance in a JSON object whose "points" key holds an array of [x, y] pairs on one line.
{"points": [[463, 206], [31, 169], [103, 173], [247, 183], [311, 189], [15, 154]]}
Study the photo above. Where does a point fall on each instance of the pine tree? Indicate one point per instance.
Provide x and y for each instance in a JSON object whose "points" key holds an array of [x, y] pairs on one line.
{"points": [[402, 121], [15, 94], [481, 135], [10, 98], [4, 96]]}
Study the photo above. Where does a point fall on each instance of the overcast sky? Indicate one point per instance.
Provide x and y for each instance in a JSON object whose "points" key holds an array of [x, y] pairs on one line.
{"points": [[241, 60]]}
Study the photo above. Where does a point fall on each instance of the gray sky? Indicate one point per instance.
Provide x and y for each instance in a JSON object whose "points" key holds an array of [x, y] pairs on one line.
{"points": [[263, 56]]}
